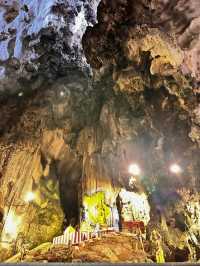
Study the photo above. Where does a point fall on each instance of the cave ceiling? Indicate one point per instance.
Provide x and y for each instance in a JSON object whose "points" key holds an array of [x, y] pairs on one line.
{"points": [[52, 78]]}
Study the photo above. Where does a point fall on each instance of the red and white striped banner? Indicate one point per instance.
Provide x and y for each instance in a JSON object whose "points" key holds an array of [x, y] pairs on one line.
{"points": [[77, 237]]}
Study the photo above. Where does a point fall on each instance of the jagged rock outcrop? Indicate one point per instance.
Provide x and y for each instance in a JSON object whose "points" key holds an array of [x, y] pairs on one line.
{"points": [[181, 17], [41, 218], [40, 41], [65, 135], [147, 73], [32, 33]]}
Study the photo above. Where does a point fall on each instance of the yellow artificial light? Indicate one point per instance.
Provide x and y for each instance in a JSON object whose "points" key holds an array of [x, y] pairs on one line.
{"points": [[11, 224], [30, 196]]}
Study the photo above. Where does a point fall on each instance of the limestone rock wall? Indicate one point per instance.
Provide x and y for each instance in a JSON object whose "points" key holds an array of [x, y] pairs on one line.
{"points": [[147, 69], [66, 134], [40, 41], [182, 18], [41, 218]]}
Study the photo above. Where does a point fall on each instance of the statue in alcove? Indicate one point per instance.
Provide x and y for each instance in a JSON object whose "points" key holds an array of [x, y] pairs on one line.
{"points": [[96, 210]]}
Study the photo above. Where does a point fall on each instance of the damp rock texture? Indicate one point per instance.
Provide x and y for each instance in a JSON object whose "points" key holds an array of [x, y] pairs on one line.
{"points": [[40, 40], [81, 101]]}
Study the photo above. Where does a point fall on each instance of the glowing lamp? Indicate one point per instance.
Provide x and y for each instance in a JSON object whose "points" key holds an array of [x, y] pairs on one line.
{"points": [[175, 169], [134, 169], [20, 94], [11, 224], [62, 93], [30, 196]]}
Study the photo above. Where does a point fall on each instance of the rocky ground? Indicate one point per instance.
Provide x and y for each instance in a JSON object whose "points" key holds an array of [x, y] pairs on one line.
{"points": [[111, 248]]}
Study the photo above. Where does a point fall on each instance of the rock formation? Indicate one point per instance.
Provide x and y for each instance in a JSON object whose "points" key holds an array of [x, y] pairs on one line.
{"points": [[81, 101], [40, 41]]}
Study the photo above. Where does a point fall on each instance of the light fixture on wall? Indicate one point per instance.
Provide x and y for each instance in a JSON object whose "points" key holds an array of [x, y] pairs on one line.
{"points": [[20, 94], [134, 170], [11, 227], [62, 93], [175, 169], [30, 196]]}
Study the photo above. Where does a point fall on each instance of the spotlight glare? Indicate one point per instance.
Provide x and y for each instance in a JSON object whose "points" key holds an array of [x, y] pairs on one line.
{"points": [[11, 224], [175, 169], [30, 196], [20, 94], [62, 93], [134, 169]]}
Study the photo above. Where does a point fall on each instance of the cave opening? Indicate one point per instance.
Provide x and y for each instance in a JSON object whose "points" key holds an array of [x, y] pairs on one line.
{"points": [[65, 175], [1, 215], [69, 190], [69, 197]]}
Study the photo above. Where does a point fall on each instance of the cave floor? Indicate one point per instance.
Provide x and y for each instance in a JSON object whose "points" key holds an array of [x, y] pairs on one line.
{"points": [[114, 248]]}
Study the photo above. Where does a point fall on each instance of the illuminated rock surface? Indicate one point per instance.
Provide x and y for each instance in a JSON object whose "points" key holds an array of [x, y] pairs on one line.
{"points": [[70, 129], [40, 40]]}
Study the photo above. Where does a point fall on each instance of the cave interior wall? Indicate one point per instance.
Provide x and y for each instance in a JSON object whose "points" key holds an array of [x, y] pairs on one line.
{"points": [[75, 135]]}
